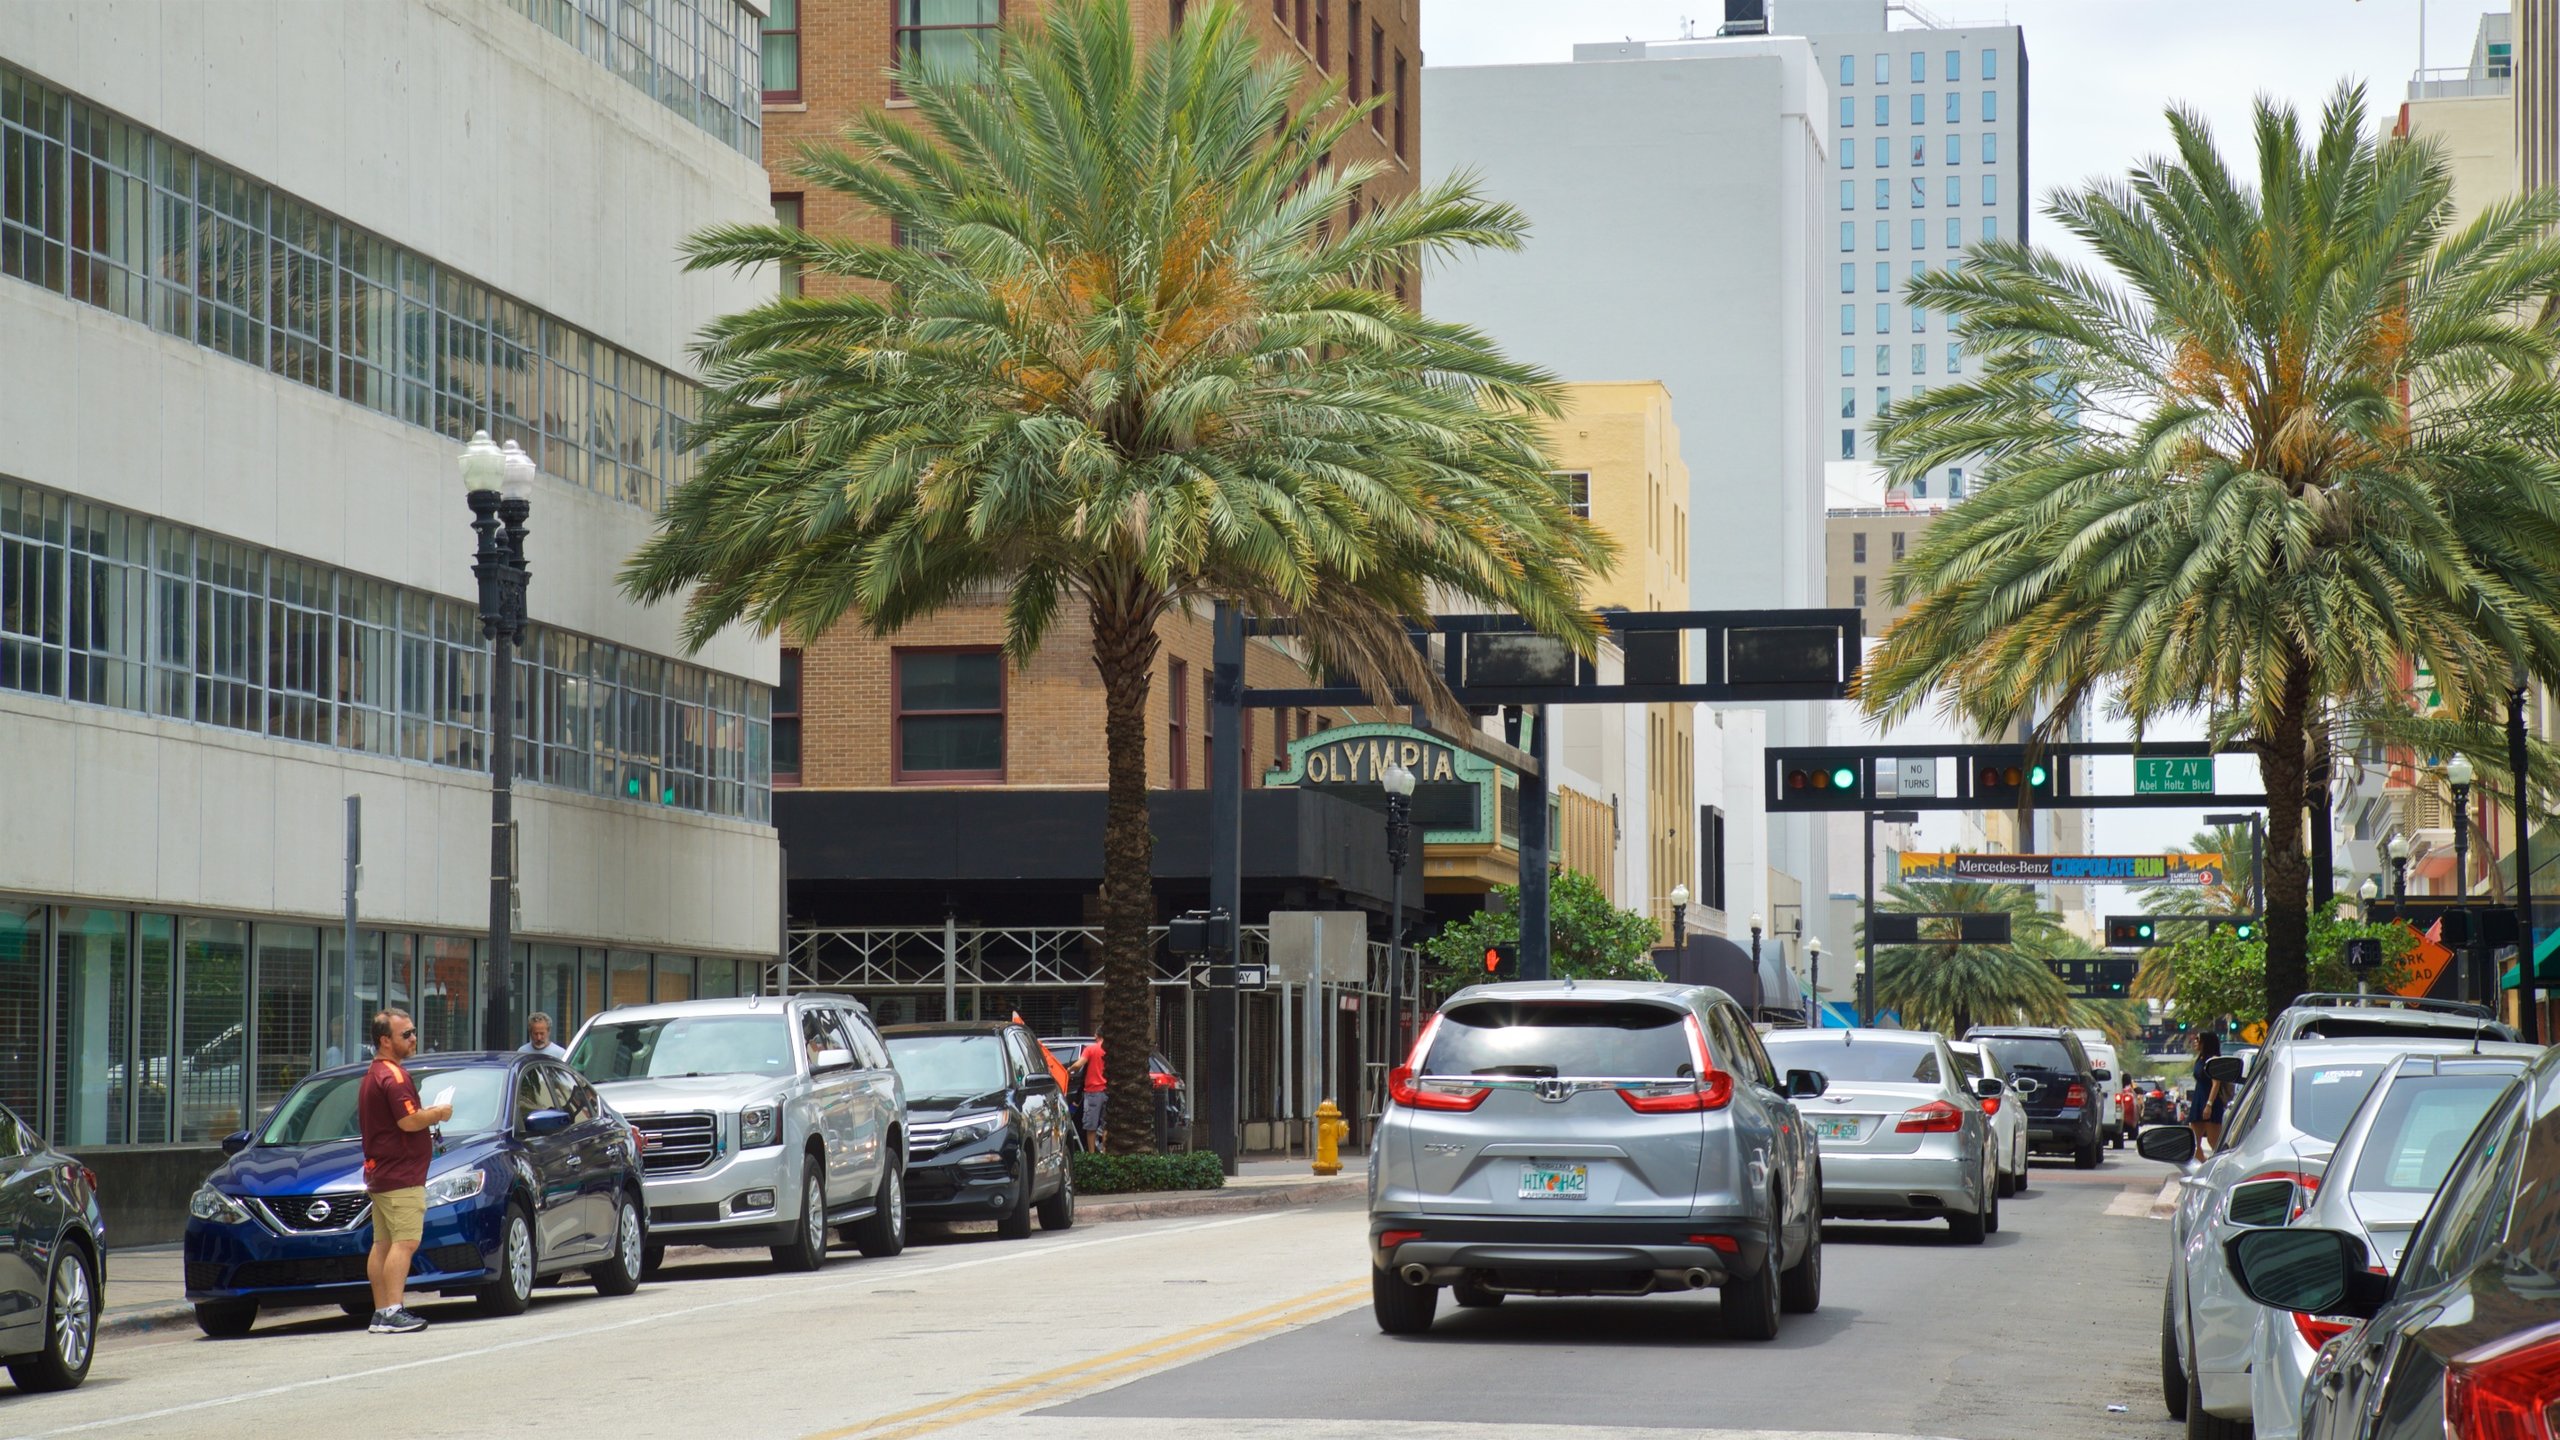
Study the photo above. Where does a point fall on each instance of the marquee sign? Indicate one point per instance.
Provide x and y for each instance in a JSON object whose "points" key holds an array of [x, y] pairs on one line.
{"points": [[2176, 871], [1457, 796], [1365, 759]]}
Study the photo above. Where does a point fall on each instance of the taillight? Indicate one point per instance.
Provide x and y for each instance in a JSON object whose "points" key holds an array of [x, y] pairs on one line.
{"points": [[2317, 1331], [1163, 1081], [1935, 1118], [2076, 1096], [1990, 1104], [2506, 1389], [1390, 1239], [1405, 1090], [1672, 1097], [1721, 1244]]}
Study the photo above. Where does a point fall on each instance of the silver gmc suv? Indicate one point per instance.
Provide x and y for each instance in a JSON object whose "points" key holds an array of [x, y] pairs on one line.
{"points": [[767, 1119], [1594, 1138]]}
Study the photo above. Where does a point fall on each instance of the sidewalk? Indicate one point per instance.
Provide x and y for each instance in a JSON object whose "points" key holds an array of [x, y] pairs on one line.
{"points": [[146, 1285]]}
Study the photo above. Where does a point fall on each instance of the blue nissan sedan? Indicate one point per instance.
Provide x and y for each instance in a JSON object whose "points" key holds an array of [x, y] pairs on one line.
{"points": [[532, 1177]]}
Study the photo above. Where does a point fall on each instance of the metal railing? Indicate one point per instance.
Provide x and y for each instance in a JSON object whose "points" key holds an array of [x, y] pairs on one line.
{"points": [[2457, 83]]}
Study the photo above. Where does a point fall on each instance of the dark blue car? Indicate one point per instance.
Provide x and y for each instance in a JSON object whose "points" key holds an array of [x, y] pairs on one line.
{"points": [[533, 1176]]}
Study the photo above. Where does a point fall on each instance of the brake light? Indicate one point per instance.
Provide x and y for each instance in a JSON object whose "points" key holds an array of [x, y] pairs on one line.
{"points": [[2506, 1389], [1163, 1080], [1990, 1104], [1935, 1118], [1416, 1094], [1721, 1244], [2076, 1096], [2317, 1331], [1390, 1239], [1713, 1093]]}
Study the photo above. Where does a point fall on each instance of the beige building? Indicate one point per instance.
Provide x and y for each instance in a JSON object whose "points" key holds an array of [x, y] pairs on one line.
{"points": [[1862, 546]]}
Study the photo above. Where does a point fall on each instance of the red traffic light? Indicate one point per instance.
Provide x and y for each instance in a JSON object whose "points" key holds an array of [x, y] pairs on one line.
{"points": [[1798, 779]]}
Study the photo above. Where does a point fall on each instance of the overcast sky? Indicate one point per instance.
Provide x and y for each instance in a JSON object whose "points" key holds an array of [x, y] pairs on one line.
{"points": [[2100, 74]]}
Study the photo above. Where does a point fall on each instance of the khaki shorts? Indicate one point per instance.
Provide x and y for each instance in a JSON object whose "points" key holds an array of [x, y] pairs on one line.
{"points": [[400, 1214]]}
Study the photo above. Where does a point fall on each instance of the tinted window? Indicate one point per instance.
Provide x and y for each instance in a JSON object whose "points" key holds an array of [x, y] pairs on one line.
{"points": [[2421, 1126], [868, 1047], [1560, 1038], [2031, 1052], [684, 1045], [951, 1067], [2325, 1097], [1893, 1062], [1017, 1044], [533, 1092], [323, 1110], [2472, 1209]]}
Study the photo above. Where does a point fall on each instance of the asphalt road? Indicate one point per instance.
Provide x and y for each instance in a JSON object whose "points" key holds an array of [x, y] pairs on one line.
{"points": [[1243, 1325]]}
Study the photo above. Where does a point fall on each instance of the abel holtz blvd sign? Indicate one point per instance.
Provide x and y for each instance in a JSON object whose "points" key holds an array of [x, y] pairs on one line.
{"points": [[2180, 871]]}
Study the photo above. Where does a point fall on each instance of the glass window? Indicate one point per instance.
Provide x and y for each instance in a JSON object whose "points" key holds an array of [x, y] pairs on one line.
{"points": [[1895, 1062], [1955, 232], [1955, 150], [782, 51], [673, 979], [1919, 233], [1990, 104], [31, 564], [1848, 194], [1955, 65], [555, 988], [1545, 1040], [1955, 107], [1990, 147], [2421, 1126], [1990, 189], [1990, 227], [949, 709], [1884, 110], [1884, 151], [1919, 109], [1884, 318], [1884, 359], [1884, 234], [1955, 481], [110, 207], [716, 978], [299, 623], [630, 981], [1858, 547], [1848, 112], [1848, 235], [1955, 356], [1919, 67], [1848, 402], [1884, 277], [1884, 193], [1848, 444], [1848, 319], [1898, 538], [1990, 64], [1919, 150], [685, 1044], [1955, 190], [287, 975], [1919, 321], [1919, 193], [1848, 154], [1857, 583], [1919, 359], [212, 1053], [1848, 277], [2471, 1209], [1848, 360], [1884, 399], [446, 1016], [1884, 68], [22, 1080], [953, 38], [92, 1009], [786, 720], [592, 996], [1848, 69]]}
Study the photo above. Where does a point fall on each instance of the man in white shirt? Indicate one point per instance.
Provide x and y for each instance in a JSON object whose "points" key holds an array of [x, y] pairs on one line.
{"points": [[539, 1027]]}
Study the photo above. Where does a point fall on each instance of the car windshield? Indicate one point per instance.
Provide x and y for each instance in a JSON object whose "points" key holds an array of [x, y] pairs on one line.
{"points": [[947, 1065], [2030, 1052], [1544, 1039], [684, 1045], [2421, 1127], [1892, 1062], [322, 1110]]}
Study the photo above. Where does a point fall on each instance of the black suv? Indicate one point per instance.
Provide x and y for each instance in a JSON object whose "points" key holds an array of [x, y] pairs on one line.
{"points": [[987, 1126], [2066, 1109]]}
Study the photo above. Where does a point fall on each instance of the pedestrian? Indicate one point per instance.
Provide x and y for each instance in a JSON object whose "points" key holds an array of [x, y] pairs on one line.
{"points": [[538, 1031], [2204, 1112], [1097, 1089], [2129, 1109], [398, 1143]]}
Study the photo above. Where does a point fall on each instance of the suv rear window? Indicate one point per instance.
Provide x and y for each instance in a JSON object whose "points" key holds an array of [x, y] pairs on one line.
{"points": [[2031, 1052], [2325, 1097], [1891, 1062], [2407, 1026], [2424, 1122], [1545, 1039]]}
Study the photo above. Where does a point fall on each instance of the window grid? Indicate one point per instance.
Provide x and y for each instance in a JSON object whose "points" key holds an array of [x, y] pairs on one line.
{"points": [[701, 59], [157, 234]]}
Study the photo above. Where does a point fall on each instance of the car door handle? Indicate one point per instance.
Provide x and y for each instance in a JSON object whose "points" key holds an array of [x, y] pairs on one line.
{"points": [[575, 1163], [44, 1192]]}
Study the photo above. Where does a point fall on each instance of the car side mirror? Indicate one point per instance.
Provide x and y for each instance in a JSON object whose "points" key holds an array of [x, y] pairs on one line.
{"points": [[1806, 1084], [546, 1122], [2226, 1068], [2313, 1271], [2168, 1144], [235, 1142], [1988, 1087], [2102, 1074], [832, 1060], [1040, 1083], [2260, 1203]]}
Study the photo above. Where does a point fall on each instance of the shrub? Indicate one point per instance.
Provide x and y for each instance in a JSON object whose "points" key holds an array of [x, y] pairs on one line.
{"points": [[1124, 1174]]}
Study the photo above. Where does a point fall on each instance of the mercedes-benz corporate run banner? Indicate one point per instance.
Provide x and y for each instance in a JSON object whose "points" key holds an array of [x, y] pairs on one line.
{"points": [[1947, 866]]}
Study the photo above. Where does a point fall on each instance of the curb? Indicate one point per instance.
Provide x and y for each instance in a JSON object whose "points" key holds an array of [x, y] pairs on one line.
{"points": [[145, 1320], [2165, 1204]]}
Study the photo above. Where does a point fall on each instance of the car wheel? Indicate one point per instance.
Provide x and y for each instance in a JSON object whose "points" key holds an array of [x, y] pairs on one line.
{"points": [[808, 1248], [653, 1258], [1969, 1229], [1471, 1296], [1750, 1304], [1015, 1223], [512, 1293], [1401, 1309], [1058, 1212], [2006, 1185], [227, 1319], [621, 1275], [2088, 1156], [70, 1327], [1800, 1289], [2203, 1424], [2173, 1376], [884, 1232]]}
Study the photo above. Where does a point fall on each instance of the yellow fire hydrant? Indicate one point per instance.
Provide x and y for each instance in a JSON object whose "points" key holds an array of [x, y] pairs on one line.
{"points": [[1330, 1130]]}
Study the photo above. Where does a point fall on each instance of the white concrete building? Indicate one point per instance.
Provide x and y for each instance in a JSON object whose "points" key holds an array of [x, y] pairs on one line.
{"points": [[263, 267], [1679, 232]]}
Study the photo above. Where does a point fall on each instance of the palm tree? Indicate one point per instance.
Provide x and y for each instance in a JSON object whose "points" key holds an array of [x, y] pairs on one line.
{"points": [[1942, 985], [2227, 895], [1125, 359], [2209, 486]]}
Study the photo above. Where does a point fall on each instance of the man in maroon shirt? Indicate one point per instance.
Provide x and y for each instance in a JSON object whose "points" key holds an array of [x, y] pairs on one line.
{"points": [[398, 1143]]}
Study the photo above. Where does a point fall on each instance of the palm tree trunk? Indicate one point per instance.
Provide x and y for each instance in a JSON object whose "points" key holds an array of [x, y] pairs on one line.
{"points": [[2284, 762], [1124, 651], [2324, 756]]}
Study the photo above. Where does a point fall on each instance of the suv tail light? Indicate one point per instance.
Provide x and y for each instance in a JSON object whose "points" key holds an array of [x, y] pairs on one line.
{"points": [[1935, 1118], [2076, 1096], [2319, 1330], [1990, 1104], [2506, 1389], [1405, 1089], [1164, 1080], [1712, 1090]]}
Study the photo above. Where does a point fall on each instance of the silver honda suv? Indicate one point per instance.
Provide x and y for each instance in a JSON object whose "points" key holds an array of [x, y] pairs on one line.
{"points": [[1594, 1138]]}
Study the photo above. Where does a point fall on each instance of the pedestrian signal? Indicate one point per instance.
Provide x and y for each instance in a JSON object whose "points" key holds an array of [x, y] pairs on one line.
{"points": [[1502, 962]]}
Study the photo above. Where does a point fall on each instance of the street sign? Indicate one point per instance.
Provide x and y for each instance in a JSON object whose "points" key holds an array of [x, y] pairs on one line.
{"points": [[2173, 775], [2363, 953], [1253, 977], [1914, 777]]}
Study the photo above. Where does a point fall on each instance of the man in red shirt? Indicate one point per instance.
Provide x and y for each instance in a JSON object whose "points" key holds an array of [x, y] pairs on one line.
{"points": [[1096, 1090], [398, 1143]]}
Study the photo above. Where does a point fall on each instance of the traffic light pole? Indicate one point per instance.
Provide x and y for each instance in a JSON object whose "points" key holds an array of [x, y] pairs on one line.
{"points": [[1535, 952], [1867, 932], [1218, 1092]]}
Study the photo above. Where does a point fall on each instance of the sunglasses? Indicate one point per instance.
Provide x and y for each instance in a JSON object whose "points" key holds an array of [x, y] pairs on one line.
{"points": [[408, 1035]]}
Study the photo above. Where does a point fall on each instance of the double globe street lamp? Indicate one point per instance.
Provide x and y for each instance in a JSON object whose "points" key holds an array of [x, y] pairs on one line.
{"points": [[498, 483], [2459, 774]]}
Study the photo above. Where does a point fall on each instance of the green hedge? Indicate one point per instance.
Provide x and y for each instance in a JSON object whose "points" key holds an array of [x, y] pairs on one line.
{"points": [[1122, 1174]]}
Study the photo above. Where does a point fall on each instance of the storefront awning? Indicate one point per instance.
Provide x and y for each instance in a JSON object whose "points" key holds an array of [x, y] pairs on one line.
{"points": [[2545, 973]]}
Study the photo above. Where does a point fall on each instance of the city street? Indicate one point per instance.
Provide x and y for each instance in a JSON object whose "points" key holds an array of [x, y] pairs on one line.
{"points": [[1252, 1324]]}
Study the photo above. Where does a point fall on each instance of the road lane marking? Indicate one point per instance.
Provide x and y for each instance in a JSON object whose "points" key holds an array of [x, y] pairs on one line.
{"points": [[1050, 1386], [760, 1296]]}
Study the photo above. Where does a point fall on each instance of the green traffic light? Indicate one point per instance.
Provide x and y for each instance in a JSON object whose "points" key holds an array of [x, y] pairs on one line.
{"points": [[2036, 775], [2245, 932], [1844, 778], [2143, 930]]}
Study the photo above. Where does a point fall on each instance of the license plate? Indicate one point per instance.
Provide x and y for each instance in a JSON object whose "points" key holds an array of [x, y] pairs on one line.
{"points": [[1555, 1182], [1835, 1129]]}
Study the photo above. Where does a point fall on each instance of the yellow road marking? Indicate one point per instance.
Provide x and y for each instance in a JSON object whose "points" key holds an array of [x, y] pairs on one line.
{"points": [[1048, 1386]]}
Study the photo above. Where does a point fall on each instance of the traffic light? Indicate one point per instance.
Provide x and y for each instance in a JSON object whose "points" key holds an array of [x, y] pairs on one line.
{"points": [[1823, 777], [2242, 927], [2000, 774], [2131, 932], [1501, 962]]}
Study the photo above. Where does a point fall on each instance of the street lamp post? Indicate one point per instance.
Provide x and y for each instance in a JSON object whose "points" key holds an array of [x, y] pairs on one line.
{"points": [[1679, 918], [1813, 995], [1755, 949], [498, 483], [1858, 973], [2458, 774], [2517, 762], [2368, 892], [1398, 783], [2399, 852]]}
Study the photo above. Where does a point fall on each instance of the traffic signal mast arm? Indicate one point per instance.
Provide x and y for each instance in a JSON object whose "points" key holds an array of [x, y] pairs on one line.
{"points": [[1811, 778]]}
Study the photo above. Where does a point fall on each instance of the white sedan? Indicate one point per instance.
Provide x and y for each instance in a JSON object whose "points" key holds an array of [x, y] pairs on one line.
{"points": [[2008, 1111]]}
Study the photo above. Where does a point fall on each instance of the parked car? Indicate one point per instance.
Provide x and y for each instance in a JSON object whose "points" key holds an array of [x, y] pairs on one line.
{"points": [[2066, 1097], [534, 1176], [769, 1119], [2338, 1016], [53, 1260], [2102, 1060], [2007, 1110], [2284, 1125], [1173, 1097], [2463, 1339], [1594, 1138], [988, 1136], [1902, 1135], [2380, 1180]]}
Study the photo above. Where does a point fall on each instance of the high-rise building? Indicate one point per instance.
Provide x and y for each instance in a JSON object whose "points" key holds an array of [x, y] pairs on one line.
{"points": [[263, 268]]}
